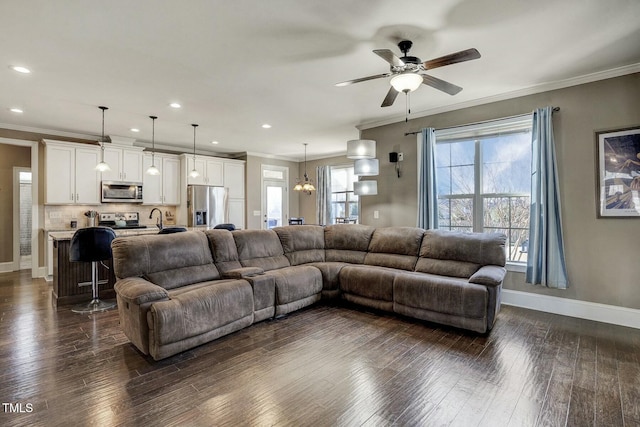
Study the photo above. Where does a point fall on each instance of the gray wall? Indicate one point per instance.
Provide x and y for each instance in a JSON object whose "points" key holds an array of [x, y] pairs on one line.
{"points": [[602, 254], [10, 156]]}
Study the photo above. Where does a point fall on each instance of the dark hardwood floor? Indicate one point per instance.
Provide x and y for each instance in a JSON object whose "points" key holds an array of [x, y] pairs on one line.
{"points": [[321, 366]]}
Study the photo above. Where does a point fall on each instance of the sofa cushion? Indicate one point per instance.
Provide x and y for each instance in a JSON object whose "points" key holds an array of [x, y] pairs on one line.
{"points": [[302, 244], [449, 295], [168, 260], [395, 247], [453, 253], [200, 310], [296, 283], [260, 248], [223, 249], [371, 282], [347, 242]]}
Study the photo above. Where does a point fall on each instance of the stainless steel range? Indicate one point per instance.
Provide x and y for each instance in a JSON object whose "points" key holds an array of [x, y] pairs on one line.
{"points": [[120, 220]]}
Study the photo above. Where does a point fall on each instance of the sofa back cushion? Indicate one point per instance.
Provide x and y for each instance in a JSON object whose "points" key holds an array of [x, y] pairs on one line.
{"points": [[302, 244], [223, 249], [457, 254], [260, 248], [168, 260], [395, 247], [347, 242]]}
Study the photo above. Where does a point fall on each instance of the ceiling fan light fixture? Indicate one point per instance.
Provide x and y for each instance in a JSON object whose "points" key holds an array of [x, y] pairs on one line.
{"points": [[361, 149], [406, 82]]}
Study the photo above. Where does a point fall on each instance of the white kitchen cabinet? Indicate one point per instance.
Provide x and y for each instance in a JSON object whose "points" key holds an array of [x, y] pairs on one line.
{"points": [[70, 175], [125, 164], [163, 189], [171, 180], [236, 212], [234, 178], [209, 168]]}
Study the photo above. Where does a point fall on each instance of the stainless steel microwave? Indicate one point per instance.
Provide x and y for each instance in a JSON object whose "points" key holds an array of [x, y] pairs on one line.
{"points": [[121, 192]]}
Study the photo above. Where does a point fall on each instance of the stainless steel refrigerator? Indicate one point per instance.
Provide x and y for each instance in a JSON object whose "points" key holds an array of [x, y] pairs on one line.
{"points": [[207, 206]]}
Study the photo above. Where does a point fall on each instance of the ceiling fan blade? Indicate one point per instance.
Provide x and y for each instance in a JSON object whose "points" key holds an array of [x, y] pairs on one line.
{"points": [[454, 58], [436, 83], [389, 56], [390, 98], [362, 79]]}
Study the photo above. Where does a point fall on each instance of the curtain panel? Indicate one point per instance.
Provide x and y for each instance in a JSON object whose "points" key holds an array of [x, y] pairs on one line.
{"points": [[427, 189], [545, 260], [323, 195]]}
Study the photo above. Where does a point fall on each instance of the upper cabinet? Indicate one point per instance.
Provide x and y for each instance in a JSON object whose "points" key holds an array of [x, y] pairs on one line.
{"points": [[70, 175], [210, 170], [162, 189], [125, 164], [234, 178]]}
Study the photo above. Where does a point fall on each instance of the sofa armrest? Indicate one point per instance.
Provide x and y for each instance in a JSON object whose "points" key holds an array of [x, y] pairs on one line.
{"points": [[489, 275], [241, 273], [140, 291]]}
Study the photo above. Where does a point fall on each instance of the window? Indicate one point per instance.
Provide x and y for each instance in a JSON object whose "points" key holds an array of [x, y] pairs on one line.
{"points": [[344, 204], [484, 180]]}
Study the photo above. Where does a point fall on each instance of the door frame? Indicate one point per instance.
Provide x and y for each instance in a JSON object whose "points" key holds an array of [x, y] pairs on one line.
{"points": [[16, 215], [263, 197], [36, 271]]}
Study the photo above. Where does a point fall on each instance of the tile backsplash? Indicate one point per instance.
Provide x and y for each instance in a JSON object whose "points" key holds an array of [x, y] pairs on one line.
{"points": [[60, 217]]}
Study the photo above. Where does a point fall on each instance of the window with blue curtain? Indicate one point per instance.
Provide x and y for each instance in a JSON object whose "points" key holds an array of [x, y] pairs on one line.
{"points": [[483, 175]]}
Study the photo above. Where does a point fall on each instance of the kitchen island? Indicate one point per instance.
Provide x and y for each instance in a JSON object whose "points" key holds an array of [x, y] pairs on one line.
{"points": [[72, 280]]}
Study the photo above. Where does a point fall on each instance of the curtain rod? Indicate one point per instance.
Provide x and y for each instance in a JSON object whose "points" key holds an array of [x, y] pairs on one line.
{"points": [[479, 123]]}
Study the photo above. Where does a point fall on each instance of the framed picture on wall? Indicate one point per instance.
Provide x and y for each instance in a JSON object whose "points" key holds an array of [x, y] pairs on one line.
{"points": [[619, 173]]}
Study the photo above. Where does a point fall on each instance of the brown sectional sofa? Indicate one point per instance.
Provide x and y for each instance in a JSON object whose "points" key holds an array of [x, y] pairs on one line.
{"points": [[177, 291]]}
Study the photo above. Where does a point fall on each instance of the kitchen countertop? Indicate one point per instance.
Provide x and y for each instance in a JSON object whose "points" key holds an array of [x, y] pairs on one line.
{"points": [[67, 234]]}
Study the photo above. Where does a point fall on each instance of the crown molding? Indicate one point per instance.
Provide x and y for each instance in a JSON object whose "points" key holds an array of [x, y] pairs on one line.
{"points": [[531, 90]]}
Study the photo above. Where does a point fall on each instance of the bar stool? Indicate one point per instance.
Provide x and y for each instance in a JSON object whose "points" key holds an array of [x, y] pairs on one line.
{"points": [[92, 244], [226, 226]]}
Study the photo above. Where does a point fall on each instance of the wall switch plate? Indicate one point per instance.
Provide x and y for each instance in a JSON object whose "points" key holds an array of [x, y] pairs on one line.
{"points": [[400, 157], [376, 214], [55, 215], [256, 213]]}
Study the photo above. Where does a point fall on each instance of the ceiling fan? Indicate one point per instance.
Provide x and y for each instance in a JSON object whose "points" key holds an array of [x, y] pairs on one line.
{"points": [[406, 71]]}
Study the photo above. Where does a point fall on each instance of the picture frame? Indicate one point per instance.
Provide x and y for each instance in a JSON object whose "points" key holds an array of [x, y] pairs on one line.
{"points": [[618, 171]]}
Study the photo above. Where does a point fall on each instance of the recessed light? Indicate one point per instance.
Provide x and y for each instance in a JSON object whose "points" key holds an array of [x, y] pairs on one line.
{"points": [[16, 110], [215, 142], [19, 69], [175, 105], [134, 130], [266, 126]]}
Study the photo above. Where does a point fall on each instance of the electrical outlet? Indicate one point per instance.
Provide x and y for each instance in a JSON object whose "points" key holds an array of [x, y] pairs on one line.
{"points": [[400, 157], [256, 213], [376, 214], [55, 215]]}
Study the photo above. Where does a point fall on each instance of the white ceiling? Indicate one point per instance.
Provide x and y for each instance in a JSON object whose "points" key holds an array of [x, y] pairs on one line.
{"points": [[235, 65]]}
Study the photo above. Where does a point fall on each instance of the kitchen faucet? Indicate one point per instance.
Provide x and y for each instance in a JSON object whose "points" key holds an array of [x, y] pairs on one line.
{"points": [[159, 222]]}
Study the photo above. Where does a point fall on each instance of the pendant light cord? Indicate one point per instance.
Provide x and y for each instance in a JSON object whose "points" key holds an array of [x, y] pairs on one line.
{"points": [[153, 139], [194, 144]]}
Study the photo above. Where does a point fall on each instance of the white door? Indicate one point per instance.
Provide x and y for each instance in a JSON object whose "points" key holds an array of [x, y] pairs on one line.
{"points": [[275, 206]]}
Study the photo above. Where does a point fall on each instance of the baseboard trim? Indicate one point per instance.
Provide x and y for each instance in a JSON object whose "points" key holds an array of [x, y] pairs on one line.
{"points": [[622, 316], [6, 267]]}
